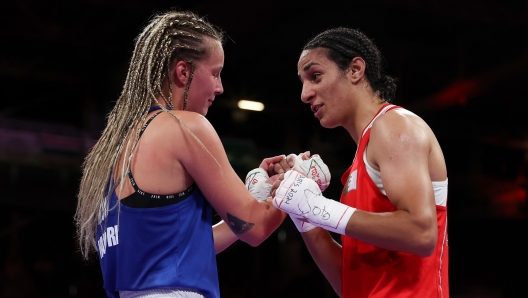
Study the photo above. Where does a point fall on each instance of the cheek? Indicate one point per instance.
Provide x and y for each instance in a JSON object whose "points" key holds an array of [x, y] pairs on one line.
{"points": [[212, 87], [198, 86], [329, 89], [337, 94]]}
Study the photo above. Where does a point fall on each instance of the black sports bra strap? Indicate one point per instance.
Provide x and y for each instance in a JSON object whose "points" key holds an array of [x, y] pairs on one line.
{"points": [[133, 182], [147, 123], [148, 200], [130, 177]]}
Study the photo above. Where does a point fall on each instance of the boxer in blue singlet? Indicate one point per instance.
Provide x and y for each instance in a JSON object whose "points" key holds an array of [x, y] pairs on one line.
{"points": [[151, 181], [172, 236]]}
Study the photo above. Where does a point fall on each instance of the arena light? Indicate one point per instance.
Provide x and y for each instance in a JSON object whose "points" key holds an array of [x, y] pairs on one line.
{"points": [[250, 105]]}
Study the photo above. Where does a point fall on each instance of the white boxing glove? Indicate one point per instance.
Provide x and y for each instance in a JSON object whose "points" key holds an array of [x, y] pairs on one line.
{"points": [[257, 185], [315, 169], [301, 197]]}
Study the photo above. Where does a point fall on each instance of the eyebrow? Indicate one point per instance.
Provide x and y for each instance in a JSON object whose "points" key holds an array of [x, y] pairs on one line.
{"points": [[306, 67]]}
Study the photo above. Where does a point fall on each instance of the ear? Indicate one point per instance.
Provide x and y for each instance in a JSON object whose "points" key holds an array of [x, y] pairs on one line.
{"points": [[356, 70], [180, 73]]}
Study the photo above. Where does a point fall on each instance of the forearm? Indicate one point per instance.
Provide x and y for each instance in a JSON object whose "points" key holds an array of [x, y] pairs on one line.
{"points": [[398, 231], [327, 254], [223, 236], [266, 222], [401, 230]]}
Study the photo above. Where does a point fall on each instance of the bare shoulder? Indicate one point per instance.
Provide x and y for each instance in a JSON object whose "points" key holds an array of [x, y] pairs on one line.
{"points": [[183, 122], [183, 132], [401, 126], [195, 120], [399, 135]]}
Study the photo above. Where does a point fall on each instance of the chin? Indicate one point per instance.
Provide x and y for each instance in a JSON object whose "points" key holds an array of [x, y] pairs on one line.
{"points": [[327, 124]]}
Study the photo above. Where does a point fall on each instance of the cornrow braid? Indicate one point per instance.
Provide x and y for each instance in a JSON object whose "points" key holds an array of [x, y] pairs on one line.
{"points": [[186, 90], [168, 38], [344, 44]]}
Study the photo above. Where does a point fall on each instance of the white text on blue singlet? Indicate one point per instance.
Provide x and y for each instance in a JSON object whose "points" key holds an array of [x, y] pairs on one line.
{"points": [[109, 238]]}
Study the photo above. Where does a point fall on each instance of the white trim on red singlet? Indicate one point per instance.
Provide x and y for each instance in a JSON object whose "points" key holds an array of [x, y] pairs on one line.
{"points": [[439, 187], [376, 117]]}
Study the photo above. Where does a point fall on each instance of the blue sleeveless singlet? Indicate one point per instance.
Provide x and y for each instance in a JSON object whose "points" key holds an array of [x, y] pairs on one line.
{"points": [[147, 241]]}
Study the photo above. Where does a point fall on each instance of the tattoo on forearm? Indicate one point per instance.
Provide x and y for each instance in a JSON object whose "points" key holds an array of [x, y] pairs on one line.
{"points": [[237, 225]]}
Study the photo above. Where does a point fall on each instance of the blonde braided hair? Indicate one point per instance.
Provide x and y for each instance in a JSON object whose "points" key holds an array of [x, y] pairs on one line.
{"points": [[168, 38]]}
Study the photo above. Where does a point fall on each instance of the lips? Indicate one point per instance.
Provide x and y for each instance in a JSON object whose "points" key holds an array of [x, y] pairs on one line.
{"points": [[316, 108]]}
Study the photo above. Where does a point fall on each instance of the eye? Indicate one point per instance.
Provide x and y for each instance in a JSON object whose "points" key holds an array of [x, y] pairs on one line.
{"points": [[315, 76]]}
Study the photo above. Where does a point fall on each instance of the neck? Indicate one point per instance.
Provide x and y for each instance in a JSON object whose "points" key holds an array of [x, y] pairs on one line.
{"points": [[177, 97], [362, 115]]}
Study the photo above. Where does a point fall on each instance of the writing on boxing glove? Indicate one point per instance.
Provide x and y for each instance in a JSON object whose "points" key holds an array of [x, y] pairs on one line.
{"points": [[315, 169], [256, 183], [300, 196]]}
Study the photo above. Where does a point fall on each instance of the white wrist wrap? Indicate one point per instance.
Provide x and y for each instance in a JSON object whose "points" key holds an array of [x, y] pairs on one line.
{"points": [[301, 197], [315, 169], [302, 226], [256, 184]]}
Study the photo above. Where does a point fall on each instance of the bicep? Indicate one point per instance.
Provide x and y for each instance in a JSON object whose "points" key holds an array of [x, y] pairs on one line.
{"points": [[402, 156]]}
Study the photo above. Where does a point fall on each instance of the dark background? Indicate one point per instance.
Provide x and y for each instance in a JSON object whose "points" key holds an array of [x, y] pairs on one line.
{"points": [[461, 65]]}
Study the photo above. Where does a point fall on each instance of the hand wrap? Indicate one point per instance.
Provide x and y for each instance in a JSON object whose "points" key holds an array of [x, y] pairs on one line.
{"points": [[315, 169], [302, 226], [301, 197], [257, 185]]}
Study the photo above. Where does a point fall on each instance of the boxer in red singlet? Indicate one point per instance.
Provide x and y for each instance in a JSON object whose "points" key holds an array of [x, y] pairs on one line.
{"points": [[392, 214]]}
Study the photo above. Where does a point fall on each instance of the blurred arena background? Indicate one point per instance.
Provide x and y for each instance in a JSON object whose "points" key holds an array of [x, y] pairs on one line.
{"points": [[461, 65]]}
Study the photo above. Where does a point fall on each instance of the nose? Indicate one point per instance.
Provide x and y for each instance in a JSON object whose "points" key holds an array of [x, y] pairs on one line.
{"points": [[219, 89], [307, 93]]}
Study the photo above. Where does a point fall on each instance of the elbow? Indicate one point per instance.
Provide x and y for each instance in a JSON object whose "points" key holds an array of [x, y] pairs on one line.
{"points": [[426, 244], [255, 242], [425, 236], [426, 249], [254, 239]]}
